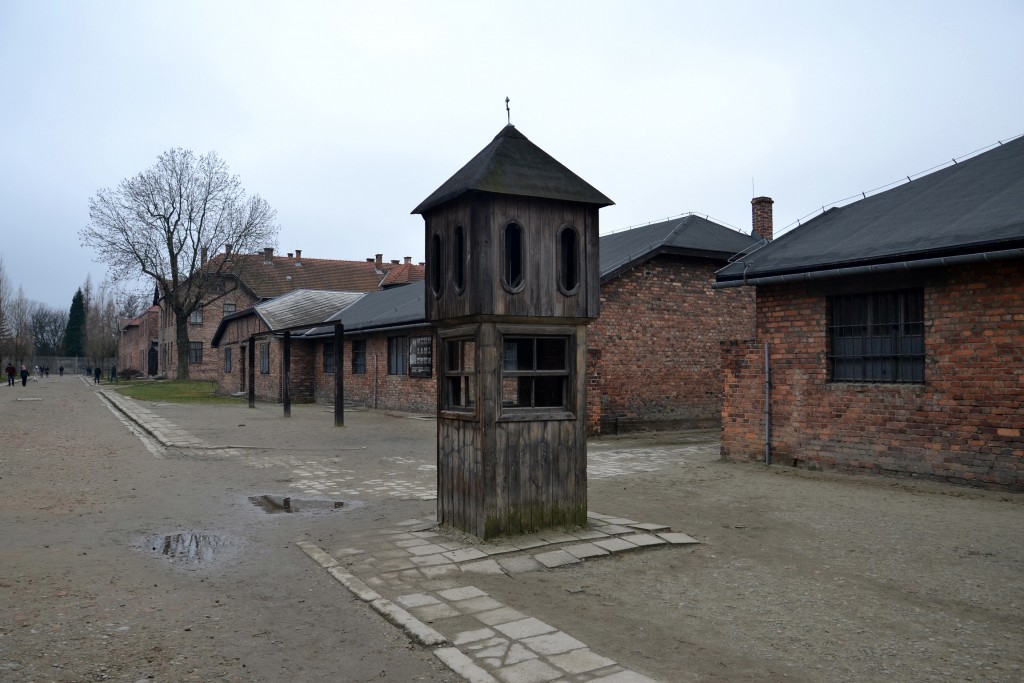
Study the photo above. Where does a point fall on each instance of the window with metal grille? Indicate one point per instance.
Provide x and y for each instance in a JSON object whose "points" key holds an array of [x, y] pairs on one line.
{"points": [[265, 358], [195, 352], [398, 355], [196, 316], [459, 387], [227, 361], [877, 337], [229, 308], [359, 357], [329, 358], [535, 372]]}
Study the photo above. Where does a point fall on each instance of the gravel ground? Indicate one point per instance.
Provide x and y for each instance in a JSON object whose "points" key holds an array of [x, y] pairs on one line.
{"points": [[800, 576]]}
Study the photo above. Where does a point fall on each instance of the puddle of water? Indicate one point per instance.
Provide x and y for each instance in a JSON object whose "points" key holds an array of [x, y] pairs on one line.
{"points": [[191, 547], [275, 504]]}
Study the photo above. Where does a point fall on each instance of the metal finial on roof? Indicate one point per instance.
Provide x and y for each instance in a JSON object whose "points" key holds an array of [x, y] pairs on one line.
{"points": [[508, 112]]}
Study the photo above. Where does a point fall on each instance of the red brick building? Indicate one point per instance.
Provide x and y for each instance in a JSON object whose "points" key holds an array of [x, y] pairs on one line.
{"points": [[654, 351], [653, 360], [387, 350], [266, 276], [137, 348], [892, 330]]}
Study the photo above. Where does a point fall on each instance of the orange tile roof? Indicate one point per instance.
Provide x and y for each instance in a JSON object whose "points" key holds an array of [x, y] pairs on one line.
{"points": [[275, 275]]}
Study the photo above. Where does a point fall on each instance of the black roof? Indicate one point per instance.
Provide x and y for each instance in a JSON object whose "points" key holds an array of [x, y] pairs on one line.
{"points": [[393, 307], [970, 207], [513, 165], [689, 235]]}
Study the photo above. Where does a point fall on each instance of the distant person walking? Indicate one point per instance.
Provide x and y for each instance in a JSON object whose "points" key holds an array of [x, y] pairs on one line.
{"points": [[10, 374], [97, 373], [113, 374], [61, 370], [24, 375]]}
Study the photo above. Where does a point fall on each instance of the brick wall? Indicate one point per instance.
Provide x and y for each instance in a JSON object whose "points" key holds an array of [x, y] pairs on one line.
{"points": [[213, 312], [375, 387], [654, 356], [965, 424]]}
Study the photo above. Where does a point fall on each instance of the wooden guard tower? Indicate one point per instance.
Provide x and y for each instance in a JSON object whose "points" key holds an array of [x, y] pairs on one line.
{"points": [[512, 281]]}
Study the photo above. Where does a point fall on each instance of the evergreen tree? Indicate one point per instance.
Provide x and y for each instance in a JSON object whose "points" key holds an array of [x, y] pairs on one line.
{"points": [[74, 344]]}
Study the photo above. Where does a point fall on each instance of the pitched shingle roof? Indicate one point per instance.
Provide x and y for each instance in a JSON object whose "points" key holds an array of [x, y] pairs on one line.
{"points": [[272, 276], [513, 165], [688, 235], [376, 310], [402, 274], [304, 307], [971, 207]]}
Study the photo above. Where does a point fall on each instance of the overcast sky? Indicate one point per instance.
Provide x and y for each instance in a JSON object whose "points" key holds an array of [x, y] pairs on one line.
{"points": [[345, 115]]}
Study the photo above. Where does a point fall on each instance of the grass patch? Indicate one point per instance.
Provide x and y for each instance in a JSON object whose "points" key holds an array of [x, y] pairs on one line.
{"points": [[174, 391]]}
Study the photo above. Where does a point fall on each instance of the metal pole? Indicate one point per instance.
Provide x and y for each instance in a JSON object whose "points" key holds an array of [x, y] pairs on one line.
{"points": [[286, 378], [339, 375], [252, 372], [767, 408]]}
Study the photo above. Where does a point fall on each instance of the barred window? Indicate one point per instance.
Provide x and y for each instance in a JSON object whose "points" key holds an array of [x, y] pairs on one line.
{"points": [[329, 358], [195, 352], [229, 308], [535, 372], [877, 337], [227, 361], [265, 358], [398, 355], [359, 357]]}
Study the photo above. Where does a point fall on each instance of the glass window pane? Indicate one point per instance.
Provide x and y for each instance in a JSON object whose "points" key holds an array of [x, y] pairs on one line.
{"points": [[550, 354], [549, 391], [518, 354]]}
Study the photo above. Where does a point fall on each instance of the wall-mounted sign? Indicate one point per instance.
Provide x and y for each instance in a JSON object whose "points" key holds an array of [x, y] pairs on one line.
{"points": [[421, 356]]}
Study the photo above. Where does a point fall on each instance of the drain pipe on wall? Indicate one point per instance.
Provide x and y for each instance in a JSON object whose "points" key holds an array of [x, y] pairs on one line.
{"points": [[767, 408], [376, 372]]}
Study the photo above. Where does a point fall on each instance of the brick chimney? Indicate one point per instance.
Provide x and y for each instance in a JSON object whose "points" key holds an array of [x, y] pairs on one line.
{"points": [[379, 263], [202, 255], [227, 250], [408, 260], [298, 254], [761, 208], [268, 254]]}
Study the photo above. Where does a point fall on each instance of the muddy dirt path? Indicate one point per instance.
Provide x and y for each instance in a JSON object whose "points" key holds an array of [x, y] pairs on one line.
{"points": [[88, 594]]}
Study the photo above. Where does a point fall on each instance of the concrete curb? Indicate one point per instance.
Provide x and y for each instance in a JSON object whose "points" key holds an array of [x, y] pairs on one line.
{"points": [[116, 403], [461, 664], [413, 627]]}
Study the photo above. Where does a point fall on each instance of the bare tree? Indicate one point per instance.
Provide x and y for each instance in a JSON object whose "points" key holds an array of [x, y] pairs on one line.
{"points": [[19, 323], [102, 327], [167, 219], [48, 326], [132, 303], [6, 336]]}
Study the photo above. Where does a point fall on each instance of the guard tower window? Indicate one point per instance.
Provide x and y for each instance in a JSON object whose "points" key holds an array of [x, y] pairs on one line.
{"points": [[460, 258], [513, 256], [436, 264], [535, 372], [568, 259], [459, 375]]}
